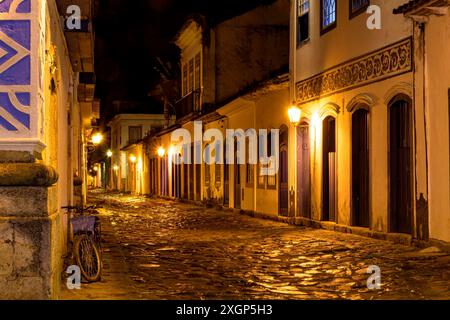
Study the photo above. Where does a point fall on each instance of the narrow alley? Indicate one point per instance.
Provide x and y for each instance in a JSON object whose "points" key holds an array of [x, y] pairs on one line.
{"points": [[159, 249]]}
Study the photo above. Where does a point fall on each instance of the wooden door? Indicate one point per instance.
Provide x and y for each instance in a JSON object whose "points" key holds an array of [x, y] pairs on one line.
{"points": [[400, 167], [237, 179], [226, 179], [329, 169], [283, 187], [360, 169], [191, 175]]}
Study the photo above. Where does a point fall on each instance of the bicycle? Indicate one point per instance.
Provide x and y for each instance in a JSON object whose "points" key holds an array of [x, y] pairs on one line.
{"points": [[84, 235]]}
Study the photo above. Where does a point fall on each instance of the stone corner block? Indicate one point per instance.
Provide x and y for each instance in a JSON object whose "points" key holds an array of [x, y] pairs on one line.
{"points": [[28, 201], [27, 174]]}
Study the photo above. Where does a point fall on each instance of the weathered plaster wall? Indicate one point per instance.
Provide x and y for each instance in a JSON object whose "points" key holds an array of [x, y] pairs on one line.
{"points": [[250, 48], [351, 38], [437, 111]]}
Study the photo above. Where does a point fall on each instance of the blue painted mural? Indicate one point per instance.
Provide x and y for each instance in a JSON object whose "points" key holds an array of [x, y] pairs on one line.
{"points": [[15, 68]]}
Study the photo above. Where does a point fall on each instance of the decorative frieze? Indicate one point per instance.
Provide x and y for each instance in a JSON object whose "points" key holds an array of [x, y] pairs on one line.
{"points": [[387, 62]]}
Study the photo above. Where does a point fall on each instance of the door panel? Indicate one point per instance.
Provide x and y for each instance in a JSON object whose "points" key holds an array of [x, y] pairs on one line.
{"points": [[360, 169], [283, 185], [329, 169], [284, 188], [400, 167]]}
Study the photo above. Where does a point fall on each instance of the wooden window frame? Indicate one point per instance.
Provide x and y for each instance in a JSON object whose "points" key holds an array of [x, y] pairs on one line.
{"points": [[308, 38], [326, 29], [352, 14], [129, 133]]}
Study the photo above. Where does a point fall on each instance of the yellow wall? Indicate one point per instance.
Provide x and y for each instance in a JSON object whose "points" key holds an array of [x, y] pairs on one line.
{"points": [[437, 108]]}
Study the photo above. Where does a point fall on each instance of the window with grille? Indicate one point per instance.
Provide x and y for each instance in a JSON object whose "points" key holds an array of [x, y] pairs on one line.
{"points": [[328, 14], [358, 6], [134, 134], [302, 21]]}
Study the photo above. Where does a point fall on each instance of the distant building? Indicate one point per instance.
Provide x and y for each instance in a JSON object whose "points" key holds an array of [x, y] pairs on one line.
{"points": [[127, 164]]}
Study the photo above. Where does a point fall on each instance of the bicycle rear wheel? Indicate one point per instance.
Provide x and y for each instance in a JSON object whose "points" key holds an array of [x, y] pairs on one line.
{"points": [[87, 257]]}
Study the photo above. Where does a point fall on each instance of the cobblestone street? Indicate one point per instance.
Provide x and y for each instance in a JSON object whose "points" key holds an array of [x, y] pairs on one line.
{"points": [[158, 249]]}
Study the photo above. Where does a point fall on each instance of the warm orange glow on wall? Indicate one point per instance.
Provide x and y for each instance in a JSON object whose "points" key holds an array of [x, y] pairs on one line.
{"points": [[133, 158]]}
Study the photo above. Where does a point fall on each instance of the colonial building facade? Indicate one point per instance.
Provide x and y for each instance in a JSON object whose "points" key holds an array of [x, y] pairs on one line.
{"points": [[46, 113], [128, 162], [365, 126], [431, 31]]}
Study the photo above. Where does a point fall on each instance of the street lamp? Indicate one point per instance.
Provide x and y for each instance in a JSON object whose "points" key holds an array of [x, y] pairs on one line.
{"points": [[133, 158], [109, 153], [116, 168], [295, 115], [97, 138], [161, 152]]}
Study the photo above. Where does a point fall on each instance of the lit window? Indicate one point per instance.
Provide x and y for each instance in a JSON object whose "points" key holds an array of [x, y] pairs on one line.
{"points": [[358, 6], [302, 21], [328, 14]]}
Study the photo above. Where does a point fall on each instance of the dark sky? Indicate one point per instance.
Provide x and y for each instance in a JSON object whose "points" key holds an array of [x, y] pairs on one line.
{"points": [[130, 34]]}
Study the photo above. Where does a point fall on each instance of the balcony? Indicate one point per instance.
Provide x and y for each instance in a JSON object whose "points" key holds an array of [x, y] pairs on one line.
{"points": [[189, 104]]}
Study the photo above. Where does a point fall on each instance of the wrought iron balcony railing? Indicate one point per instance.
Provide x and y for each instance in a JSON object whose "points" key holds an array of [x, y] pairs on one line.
{"points": [[189, 104]]}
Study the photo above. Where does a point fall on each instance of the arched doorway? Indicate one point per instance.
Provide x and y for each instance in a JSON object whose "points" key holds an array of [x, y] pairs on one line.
{"points": [[303, 170], [360, 169], [329, 169], [283, 187], [400, 165]]}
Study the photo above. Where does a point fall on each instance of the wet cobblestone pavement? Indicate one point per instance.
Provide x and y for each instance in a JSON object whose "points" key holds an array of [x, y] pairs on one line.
{"points": [[159, 249]]}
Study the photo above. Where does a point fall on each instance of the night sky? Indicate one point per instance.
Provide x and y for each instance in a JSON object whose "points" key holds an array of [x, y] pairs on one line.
{"points": [[131, 34]]}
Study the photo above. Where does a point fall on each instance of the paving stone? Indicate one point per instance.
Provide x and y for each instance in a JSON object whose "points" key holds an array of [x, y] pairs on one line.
{"points": [[160, 249]]}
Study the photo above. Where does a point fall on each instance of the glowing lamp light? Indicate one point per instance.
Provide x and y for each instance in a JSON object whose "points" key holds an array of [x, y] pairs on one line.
{"points": [[295, 115], [109, 153], [97, 138], [116, 168], [95, 169], [161, 152], [133, 158]]}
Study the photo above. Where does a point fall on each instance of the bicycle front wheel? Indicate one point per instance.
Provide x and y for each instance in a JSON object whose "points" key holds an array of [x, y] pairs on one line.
{"points": [[87, 257]]}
